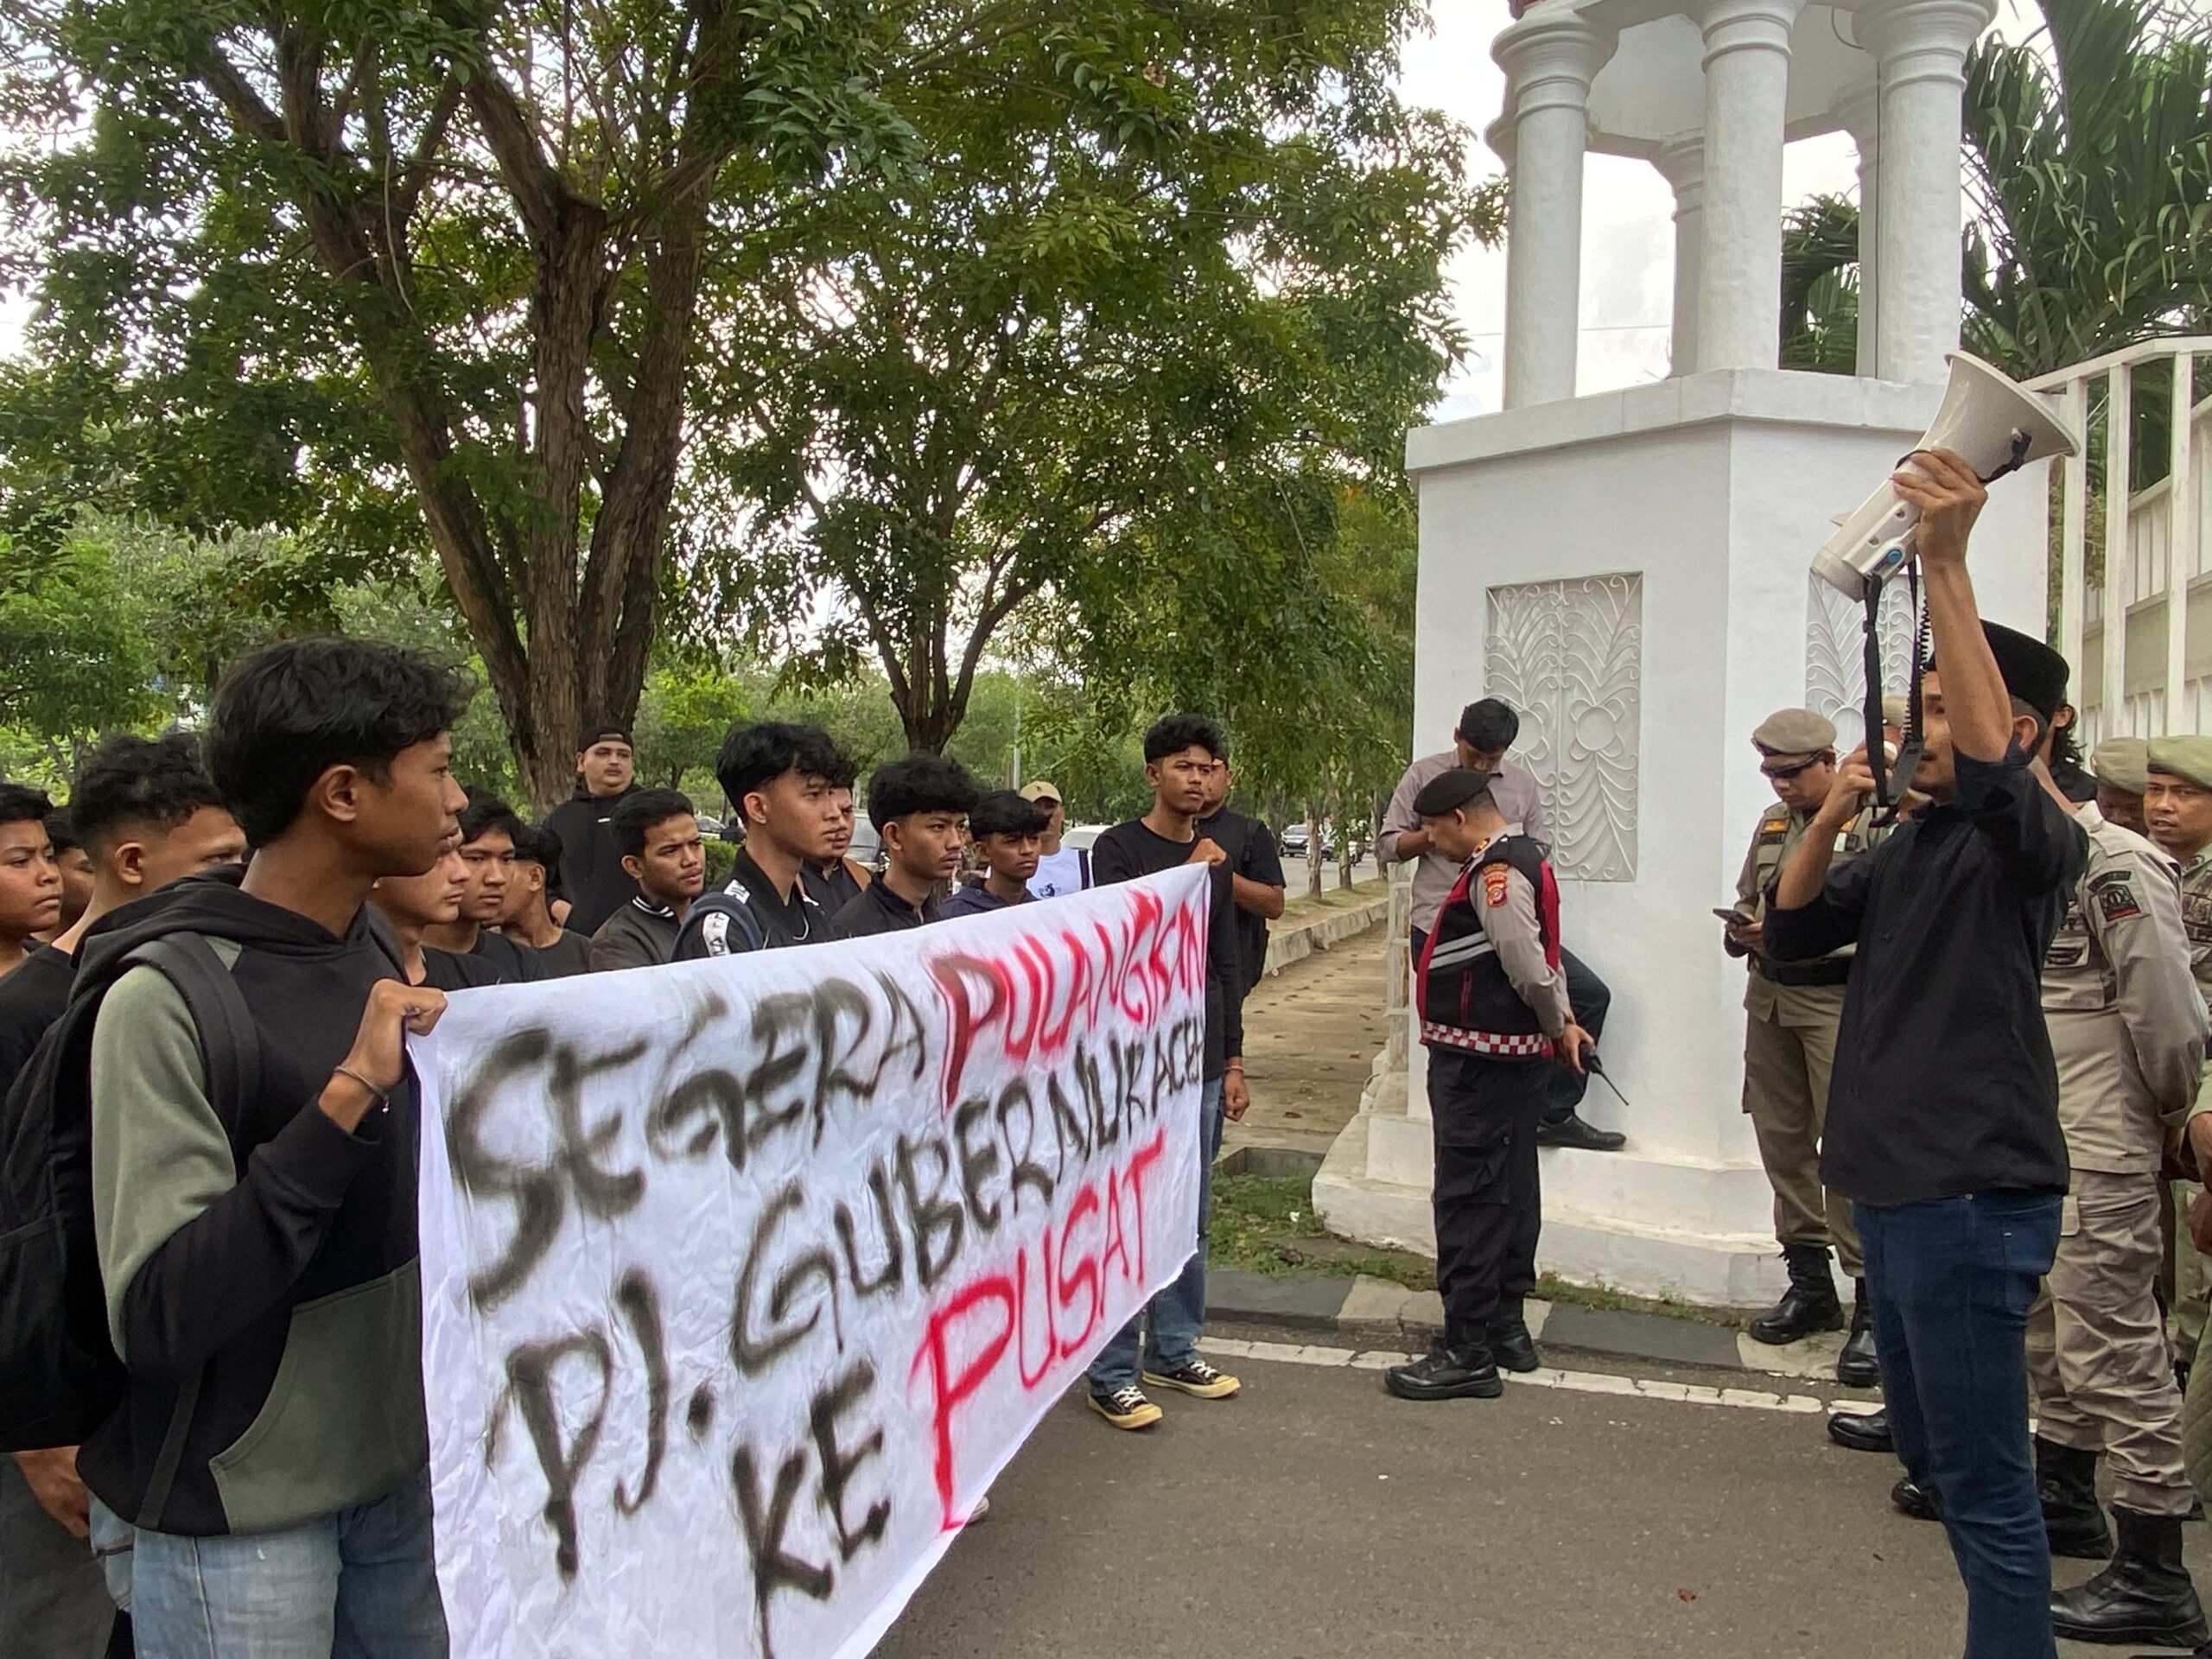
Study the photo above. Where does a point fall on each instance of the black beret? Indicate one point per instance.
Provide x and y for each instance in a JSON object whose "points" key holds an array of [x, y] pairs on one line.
{"points": [[1449, 791]]}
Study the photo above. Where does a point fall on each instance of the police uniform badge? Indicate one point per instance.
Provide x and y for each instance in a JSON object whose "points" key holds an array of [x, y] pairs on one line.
{"points": [[2115, 896]]}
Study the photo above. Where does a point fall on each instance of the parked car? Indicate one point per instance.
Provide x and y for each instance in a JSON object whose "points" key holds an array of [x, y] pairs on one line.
{"points": [[1293, 840], [1083, 837]]}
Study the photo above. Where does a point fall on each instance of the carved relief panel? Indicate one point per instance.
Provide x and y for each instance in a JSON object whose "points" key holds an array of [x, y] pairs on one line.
{"points": [[1836, 632], [1569, 657]]}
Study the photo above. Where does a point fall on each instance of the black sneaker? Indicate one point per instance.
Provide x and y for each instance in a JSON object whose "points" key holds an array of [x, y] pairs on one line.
{"points": [[1574, 1131], [1127, 1408], [1197, 1379], [1450, 1371]]}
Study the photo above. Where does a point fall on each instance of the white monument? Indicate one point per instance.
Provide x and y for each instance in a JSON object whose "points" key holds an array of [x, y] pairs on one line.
{"points": [[1629, 570]]}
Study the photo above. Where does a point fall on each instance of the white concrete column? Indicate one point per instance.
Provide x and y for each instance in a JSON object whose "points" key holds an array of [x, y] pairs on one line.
{"points": [[1860, 111], [1919, 48], [1549, 58], [1746, 90], [1681, 163]]}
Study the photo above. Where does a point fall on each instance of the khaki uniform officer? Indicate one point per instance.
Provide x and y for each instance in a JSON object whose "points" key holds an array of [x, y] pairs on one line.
{"points": [[1790, 1047], [2177, 811], [2127, 1032], [2121, 766]]}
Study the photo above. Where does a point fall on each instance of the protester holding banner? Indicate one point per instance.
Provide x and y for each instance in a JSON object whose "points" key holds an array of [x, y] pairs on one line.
{"points": [[663, 853], [919, 806], [257, 1242], [783, 782], [1007, 832], [1180, 754]]}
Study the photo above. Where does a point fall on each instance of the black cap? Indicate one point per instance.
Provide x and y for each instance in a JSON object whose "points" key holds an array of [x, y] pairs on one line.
{"points": [[2032, 670], [1449, 791], [588, 735]]}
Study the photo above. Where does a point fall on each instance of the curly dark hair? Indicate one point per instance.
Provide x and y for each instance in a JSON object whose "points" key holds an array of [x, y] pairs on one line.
{"points": [[20, 803], [640, 811], [285, 715], [138, 782], [1180, 731], [1003, 812], [919, 783], [486, 813], [760, 754]]}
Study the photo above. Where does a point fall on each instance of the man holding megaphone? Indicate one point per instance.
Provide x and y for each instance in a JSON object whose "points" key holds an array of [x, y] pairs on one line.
{"points": [[1943, 1124]]}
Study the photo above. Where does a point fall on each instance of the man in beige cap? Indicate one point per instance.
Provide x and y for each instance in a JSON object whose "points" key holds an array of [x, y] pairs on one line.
{"points": [[2177, 811], [2121, 766], [1060, 869], [1789, 1048], [2127, 1031]]}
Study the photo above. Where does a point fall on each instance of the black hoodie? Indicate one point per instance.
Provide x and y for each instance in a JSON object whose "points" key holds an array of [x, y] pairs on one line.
{"points": [[592, 877], [285, 1281]]}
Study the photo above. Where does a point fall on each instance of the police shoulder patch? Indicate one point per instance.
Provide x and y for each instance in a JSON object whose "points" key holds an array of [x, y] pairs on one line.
{"points": [[1494, 885], [2115, 895]]}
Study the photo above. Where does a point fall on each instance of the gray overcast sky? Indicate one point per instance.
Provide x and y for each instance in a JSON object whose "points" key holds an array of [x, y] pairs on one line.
{"points": [[1628, 233]]}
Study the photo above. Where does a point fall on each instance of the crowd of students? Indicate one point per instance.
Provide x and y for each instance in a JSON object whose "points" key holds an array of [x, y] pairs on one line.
{"points": [[208, 965]]}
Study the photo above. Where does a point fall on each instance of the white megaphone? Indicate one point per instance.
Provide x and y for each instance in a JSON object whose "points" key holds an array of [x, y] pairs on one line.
{"points": [[1989, 422]]}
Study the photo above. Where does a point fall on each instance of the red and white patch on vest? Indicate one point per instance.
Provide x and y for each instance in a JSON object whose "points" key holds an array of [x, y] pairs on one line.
{"points": [[1494, 886]]}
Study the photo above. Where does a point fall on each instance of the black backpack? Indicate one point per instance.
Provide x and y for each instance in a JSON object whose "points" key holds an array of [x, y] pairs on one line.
{"points": [[59, 1378]]}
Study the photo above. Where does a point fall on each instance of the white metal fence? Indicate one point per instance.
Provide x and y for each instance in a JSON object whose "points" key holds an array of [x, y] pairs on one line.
{"points": [[2159, 678]]}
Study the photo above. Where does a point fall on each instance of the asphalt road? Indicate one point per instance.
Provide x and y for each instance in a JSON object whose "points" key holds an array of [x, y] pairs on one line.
{"points": [[1315, 1515]]}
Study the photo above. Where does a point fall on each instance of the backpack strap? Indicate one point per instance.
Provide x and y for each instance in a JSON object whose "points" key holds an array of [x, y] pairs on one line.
{"points": [[230, 1049], [1082, 863]]}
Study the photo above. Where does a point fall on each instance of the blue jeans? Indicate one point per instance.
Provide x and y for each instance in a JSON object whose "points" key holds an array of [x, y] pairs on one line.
{"points": [[1950, 1283], [361, 1584], [1171, 1321]]}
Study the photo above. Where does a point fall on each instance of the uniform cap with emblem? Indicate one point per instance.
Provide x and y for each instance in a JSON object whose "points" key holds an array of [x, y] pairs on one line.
{"points": [[1450, 791], [2122, 763], [1793, 731], [2189, 757]]}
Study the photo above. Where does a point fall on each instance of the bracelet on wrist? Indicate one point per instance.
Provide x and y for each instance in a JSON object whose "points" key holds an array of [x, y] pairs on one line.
{"points": [[378, 1098]]}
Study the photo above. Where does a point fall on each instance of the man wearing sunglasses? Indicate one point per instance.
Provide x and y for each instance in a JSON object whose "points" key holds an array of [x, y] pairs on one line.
{"points": [[1793, 1009]]}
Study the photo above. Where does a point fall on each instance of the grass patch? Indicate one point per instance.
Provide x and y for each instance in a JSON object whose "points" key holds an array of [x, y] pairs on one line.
{"points": [[1266, 1224], [1298, 904]]}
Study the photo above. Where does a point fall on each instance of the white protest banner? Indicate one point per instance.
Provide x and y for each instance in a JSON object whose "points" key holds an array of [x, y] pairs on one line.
{"points": [[743, 1279]]}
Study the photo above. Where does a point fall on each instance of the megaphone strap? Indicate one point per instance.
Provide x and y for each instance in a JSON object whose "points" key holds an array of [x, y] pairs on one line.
{"points": [[1892, 780]]}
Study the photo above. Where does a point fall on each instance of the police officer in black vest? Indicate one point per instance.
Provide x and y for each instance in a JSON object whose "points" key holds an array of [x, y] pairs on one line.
{"points": [[1494, 1014]]}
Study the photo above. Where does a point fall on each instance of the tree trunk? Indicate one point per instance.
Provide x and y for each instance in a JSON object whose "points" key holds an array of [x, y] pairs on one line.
{"points": [[1312, 849]]}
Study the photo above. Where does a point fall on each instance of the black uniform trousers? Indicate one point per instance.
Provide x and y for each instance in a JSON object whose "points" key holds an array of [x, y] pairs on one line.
{"points": [[1488, 1203], [1589, 996]]}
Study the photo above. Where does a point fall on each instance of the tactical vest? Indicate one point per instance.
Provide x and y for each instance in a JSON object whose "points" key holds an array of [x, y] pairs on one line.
{"points": [[1833, 969], [1467, 1001]]}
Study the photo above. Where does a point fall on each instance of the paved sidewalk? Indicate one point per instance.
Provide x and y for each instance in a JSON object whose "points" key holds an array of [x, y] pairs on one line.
{"points": [[1367, 1311]]}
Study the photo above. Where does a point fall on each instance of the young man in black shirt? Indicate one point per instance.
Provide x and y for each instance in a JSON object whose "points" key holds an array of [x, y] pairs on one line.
{"points": [[1254, 868], [838, 879], [528, 918], [919, 806], [665, 855], [1009, 833], [592, 874], [489, 828], [147, 814], [30, 885], [782, 781], [74, 864], [415, 905], [1943, 1124], [1179, 752]]}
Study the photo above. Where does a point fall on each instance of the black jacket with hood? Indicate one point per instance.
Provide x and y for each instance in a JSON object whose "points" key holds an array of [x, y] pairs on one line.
{"points": [[592, 877], [276, 1282]]}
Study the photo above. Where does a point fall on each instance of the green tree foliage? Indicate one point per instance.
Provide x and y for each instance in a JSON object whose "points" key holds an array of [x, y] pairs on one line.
{"points": [[422, 274], [2089, 174], [73, 660], [1119, 325]]}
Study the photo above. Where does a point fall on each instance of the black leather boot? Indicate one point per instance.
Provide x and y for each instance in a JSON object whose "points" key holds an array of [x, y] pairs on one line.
{"points": [[1861, 1431], [1856, 1367], [2144, 1595], [2066, 1481], [1454, 1369], [1807, 1305], [1510, 1341], [1921, 1502]]}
